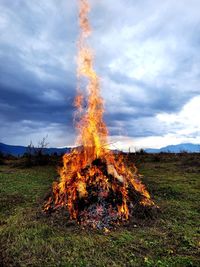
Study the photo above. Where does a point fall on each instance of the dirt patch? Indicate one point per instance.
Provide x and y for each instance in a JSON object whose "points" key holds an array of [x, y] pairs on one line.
{"points": [[61, 219]]}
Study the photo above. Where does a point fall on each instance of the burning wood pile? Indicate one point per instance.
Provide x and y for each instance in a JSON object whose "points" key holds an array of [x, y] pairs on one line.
{"points": [[95, 185]]}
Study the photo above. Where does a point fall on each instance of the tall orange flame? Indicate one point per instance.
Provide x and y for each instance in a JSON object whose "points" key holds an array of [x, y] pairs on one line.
{"points": [[81, 170], [92, 129]]}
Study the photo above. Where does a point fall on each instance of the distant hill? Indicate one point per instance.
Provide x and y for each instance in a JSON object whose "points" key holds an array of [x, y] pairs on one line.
{"points": [[188, 147], [20, 150]]}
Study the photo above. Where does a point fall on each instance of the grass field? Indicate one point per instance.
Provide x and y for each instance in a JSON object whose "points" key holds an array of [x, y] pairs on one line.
{"points": [[29, 239]]}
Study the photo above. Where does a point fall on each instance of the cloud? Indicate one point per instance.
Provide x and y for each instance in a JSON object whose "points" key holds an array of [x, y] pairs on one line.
{"points": [[184, 123], [147, 55], [57, 134], [180, 127]]}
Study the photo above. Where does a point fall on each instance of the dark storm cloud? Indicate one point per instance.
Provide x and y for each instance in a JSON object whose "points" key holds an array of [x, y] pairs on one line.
{"points": [[146, 54], [25, 97], [37, 66], [14, 106]]}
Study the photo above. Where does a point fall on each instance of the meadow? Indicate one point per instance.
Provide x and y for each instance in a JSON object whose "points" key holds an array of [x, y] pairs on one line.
{"points": [[30, 238]]}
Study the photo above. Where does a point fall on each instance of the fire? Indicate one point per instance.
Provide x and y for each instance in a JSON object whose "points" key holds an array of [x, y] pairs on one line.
{"points": [[94, 184]]}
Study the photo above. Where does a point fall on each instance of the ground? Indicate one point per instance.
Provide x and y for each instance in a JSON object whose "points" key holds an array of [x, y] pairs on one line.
{"points": [[27, 238]]}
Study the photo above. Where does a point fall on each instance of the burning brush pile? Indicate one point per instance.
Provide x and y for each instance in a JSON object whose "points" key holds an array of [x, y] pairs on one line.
{"points": [[95, 186]]}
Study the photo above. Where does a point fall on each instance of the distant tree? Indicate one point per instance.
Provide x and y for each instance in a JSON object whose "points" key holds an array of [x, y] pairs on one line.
{"points": [[41, 157], [42, 145], [29, 154], [183, 152], [2, 158], [30, 149], [141, 151], [36, 155]]}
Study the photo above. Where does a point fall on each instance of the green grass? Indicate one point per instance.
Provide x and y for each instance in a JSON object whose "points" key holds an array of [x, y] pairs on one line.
{"points": [[27, 238]]}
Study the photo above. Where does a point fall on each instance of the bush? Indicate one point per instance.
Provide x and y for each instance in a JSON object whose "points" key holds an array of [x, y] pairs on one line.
{"points": [[141, 152], [35, 156], [2, 160]]}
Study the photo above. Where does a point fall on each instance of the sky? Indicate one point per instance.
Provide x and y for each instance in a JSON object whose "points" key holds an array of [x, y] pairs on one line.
{"points": [[146, 54]]}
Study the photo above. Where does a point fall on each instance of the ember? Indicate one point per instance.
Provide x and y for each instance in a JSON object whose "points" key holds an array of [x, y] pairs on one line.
{"points": [[95, 185]]}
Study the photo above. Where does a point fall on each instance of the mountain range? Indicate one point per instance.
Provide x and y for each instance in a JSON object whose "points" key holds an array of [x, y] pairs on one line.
{"points": [[20, 150], [188, 147]]}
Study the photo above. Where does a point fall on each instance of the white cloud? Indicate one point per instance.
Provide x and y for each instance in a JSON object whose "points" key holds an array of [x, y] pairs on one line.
{"points": [[185, 122], [182, 127]]}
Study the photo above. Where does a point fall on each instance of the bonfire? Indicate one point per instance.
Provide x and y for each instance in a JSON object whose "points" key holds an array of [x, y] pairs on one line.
{"points": [[95, 185]]}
